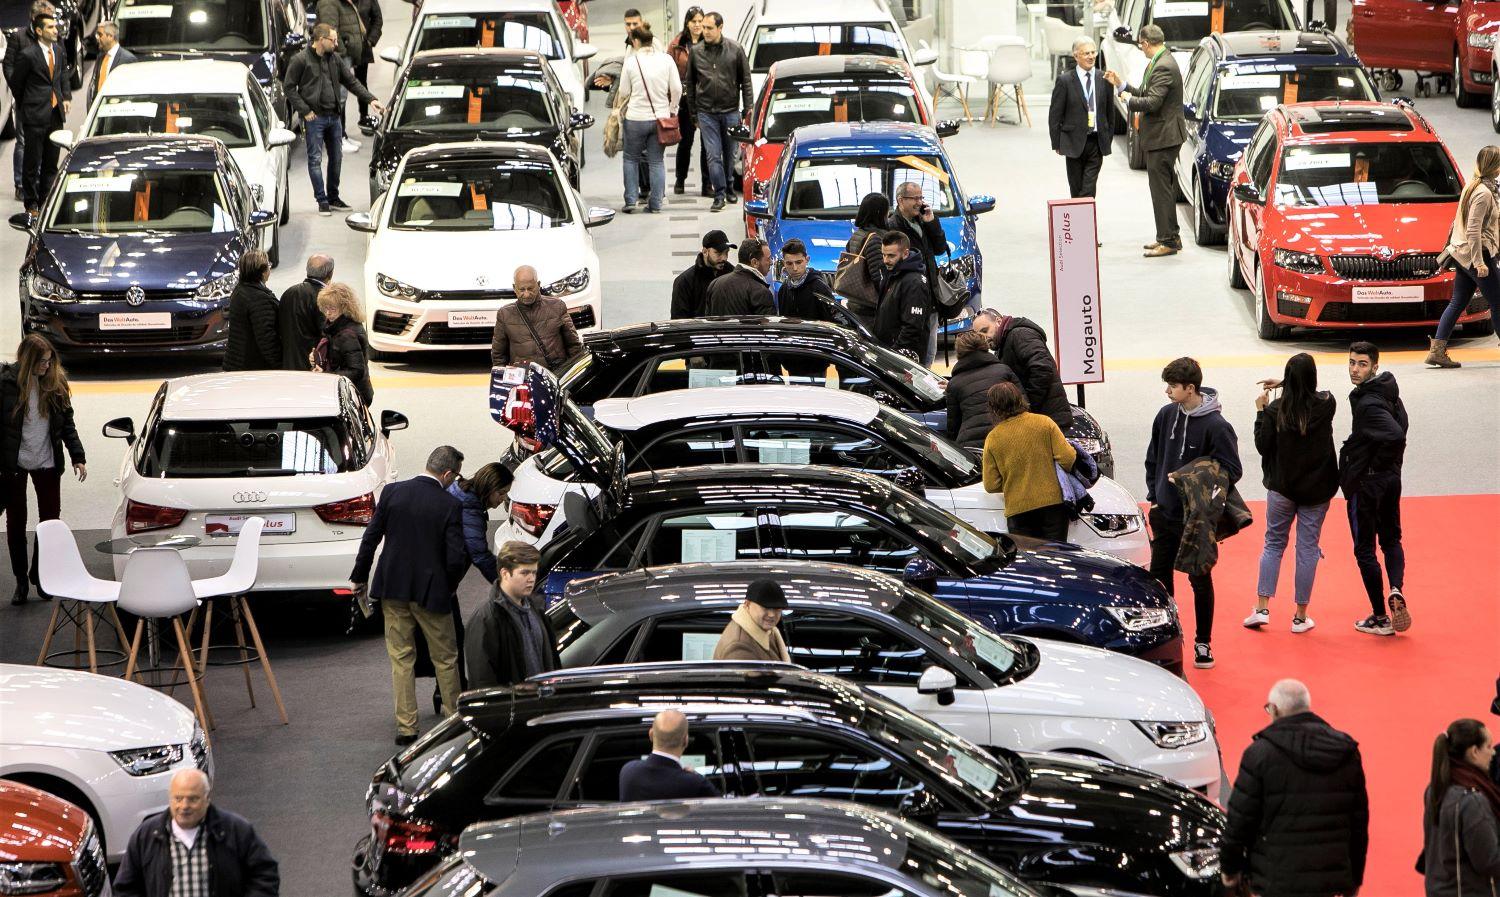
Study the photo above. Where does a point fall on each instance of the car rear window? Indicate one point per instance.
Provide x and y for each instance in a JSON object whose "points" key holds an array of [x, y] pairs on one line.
{"points": [[1186, 22], [774, 43], [512, 30], [1362, 174], [192, 24], [251, 448], [842, 99], [475, 98]]}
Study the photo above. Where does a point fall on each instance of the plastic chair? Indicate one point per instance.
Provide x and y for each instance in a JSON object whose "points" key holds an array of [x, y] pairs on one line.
{"points": [[233, 586], [1010, 66], [81, 597], [156, 586], [1060, 36], [954, 85]]}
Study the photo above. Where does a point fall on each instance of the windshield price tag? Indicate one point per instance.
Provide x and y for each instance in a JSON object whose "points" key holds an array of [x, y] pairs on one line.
{"points": [[991, 650], [128, 109], [781, 451], [448, 22], [801, 104], [708, 546], [1311, 161], [974, 772], [151, 11], [699, 378], [1166, 9], [699, 646], [973, 543], [435, 92], [431, 188], [106, 183], [1250, 82]]}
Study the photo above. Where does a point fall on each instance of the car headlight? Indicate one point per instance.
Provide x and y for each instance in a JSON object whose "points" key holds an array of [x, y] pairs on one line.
{"points": [[567, 286], [390, 286], [1173, 735], [149, 760], [1112, 526], [1482, 41], [964, 265], [1301, 262], [31, 878], [1197, 862], [1221, 169], [1089, 444], [1140, 619], [51, 291], [219, 288]]}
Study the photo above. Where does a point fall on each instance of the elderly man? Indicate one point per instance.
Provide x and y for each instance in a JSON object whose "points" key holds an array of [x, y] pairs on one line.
{"points": [[195, 848], [1081, 120], [1162, 130], [111, 56], [298, 319], [1021, 344], [751, 633], [533, 328], [661, 775]]}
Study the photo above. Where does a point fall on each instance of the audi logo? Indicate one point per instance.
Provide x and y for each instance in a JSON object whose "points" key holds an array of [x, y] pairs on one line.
{"points": [[135, 295], [245, 497]]}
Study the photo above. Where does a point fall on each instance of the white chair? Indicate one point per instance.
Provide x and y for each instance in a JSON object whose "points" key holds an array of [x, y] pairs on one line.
{"points": [[953, 85], [1060, 36], [156, 586], [81, 597], [1010, 66], [233, 586]]}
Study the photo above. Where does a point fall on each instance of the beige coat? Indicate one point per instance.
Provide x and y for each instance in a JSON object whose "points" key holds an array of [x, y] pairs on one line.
{"points": [[739, 642], [1477, 231]]}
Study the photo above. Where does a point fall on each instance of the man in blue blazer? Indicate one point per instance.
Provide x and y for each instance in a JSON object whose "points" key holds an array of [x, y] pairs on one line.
{"points": [[40, 84], [661, 776], [419, 571], [111, 57], [1082, 119]]}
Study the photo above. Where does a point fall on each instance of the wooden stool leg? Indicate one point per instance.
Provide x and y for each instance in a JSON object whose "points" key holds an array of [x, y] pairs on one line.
{"points": [[114, 616], [208, 625], [963, 98], [186, 654], [88, 616], [135, 647], [47, 636], [239, 635], [1021, 101], [265, 660]]}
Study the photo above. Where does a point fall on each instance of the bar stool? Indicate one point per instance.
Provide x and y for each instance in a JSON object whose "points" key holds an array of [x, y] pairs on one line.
{"points": [[227, 594], [156, 586], [81, 598]]}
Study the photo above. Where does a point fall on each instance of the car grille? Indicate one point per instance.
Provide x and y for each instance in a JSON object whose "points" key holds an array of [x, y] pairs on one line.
{"points": [[582, 317], [443, 335], [1415, 266], [391, 323], [151, 296], [466, 295], [88, 865], [187, 333], [1381, 313]]}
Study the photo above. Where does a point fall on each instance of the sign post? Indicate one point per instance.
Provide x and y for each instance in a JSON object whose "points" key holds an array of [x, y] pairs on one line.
{"points": [[1077, 319]]}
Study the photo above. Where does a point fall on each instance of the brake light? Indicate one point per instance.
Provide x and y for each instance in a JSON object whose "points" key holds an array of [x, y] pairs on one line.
{"points": [[141, 517], [532, 518], [405, 837], [355, 511]]}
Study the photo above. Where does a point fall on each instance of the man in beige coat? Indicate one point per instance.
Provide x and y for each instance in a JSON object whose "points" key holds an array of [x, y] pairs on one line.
{"points": [[751, 633]]}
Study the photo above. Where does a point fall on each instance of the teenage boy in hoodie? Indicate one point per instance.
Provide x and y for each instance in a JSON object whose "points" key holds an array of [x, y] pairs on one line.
{"points": [[1370, 475], [1189, 427]]}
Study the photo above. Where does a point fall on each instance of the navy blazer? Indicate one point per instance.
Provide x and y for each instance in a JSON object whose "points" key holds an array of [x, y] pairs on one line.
{"points": [[658, 778], [122, 57], [1068, 117], [33, 88], [424, 556]]}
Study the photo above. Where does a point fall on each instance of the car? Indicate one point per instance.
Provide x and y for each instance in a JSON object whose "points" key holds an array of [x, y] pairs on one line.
{"points": [[48, 847], [516, 24], [1337, 215], [803, 425], [105, 745], [1185, 23], [295, 448], [136, 249], [760, 846], [1230, 83], [447, 96], [209, 98], [1454, 41], [576, 14], [558, 741], [447, 237]]}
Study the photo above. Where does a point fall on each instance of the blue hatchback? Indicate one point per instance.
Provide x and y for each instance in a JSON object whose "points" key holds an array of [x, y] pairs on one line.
{"points": [[1232, 81]]}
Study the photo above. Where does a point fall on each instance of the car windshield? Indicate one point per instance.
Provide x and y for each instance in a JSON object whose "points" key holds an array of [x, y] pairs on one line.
{"points": [[996, 656], [1186, 22], [773, 43], [1362, 174], [473, 99], [840, 98], [221, 115], [931, 387], [984, 778], [955, 538], [180, 200], [949, 869], [1246, 93], [939, 453], [192, 24], [250, 448], [512, 30], [833, 187], [481, 194]]}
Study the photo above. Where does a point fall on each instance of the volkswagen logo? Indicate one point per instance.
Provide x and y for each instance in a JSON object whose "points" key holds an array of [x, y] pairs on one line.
{"points": [[245, 497], [481, 281], [135, 295]]}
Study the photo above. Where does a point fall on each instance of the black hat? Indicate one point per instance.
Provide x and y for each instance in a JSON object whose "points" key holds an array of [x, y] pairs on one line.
{"points": [[767, 593], [717, 240]]}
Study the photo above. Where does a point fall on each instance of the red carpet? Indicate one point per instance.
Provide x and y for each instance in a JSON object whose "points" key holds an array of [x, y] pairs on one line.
{"points": [[1393, 695]]}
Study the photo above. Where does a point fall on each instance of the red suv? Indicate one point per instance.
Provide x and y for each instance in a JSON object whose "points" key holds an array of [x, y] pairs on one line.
{"points": [[48, 847], [1443, 38], [1337, 214]]}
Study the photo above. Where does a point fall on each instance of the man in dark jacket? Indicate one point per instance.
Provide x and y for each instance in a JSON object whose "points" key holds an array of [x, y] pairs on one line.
{"points": [[744, 291], [111, 57], [193, 847], [1081, 119], [977, 369], [1299, 815], [312, 81], [913, 216], [42, 87], [1021, 344], [1370, 475], [1163, 128], [660, 775], [374, 22], [902, 322], [690, 289], [300, 322], [253, 343], [345, 17], [17, 42], [534, 327], [803, 293], [509, 639], [717, 89]]}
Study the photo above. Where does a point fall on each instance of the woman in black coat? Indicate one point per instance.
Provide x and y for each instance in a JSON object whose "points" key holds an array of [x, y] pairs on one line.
{"points": [[254, 342], [868, 221], [976, 370], [344, 349]]}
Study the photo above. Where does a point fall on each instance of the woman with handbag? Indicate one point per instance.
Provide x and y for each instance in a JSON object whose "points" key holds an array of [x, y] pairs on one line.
{"points": [[650, 90], [691, 33], [860, 267], [1472, 247], [343, 349], [1460, 832]]}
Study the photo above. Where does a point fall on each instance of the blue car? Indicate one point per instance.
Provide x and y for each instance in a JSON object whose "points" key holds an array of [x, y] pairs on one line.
{"points": [[136, 248], [1232, 80], [827, 169]]}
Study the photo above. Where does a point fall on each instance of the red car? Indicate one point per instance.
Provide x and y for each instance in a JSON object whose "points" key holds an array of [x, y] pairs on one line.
{"points": [[48, 847], [1337, 214], [1442, 38], [576, 14]]}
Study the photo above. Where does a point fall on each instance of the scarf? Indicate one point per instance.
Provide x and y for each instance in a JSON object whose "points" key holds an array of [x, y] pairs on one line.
{"points": [[770, 642], [798, 282], [1466, 776]]}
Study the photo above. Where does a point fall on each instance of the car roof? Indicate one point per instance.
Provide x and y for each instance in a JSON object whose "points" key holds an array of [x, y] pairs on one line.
{"points": [[439, 6], [177, 76], [746, 329], [786, 12], [479, 149], [1314, 47], [865, 138], [496, 56], [680, 404], [137, 151], [251, 395], [861, 63], [1341, 122]]}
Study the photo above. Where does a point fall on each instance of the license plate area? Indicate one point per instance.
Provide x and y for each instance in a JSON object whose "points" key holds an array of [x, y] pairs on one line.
{"points": [[220, 525], [1381, 295], [472, 318], [136, 320]]}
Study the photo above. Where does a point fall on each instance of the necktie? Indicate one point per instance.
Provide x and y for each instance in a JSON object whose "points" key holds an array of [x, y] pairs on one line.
{"points": [[103, 70], [52, 75]]}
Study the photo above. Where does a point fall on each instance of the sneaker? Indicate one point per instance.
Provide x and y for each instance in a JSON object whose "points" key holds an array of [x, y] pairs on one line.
{"points": [[1257, 619], [324, 209], [628, 209], [643, 201], [338, 205], [1203, 656], [404, 739], [351, 145], [1374, 625], [718, 205], [1302, 624], [1400, 616]]}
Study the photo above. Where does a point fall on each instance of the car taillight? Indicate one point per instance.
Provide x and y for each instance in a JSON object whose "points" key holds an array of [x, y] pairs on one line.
{"points": [[141, 517], [355, 511], [406, 837], [531, 518]]}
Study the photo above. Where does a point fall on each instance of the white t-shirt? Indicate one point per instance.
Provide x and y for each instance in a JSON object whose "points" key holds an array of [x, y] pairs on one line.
{"points": [[185, 836]]}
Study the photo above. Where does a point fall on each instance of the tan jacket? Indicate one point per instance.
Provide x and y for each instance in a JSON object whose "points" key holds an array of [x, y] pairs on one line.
{"points": [[1476, 232], [737, 642], [517, 330]]}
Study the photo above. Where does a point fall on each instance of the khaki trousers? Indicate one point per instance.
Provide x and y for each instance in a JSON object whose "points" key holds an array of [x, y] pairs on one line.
{"points": [[401, 621]]}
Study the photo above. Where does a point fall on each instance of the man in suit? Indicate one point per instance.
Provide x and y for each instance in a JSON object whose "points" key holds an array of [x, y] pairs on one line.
{"points": [[19, 41], [1162, 130], [661, 775], [424, 559], [1082, 119], [111, 57], [301, 323], [44, 97]]}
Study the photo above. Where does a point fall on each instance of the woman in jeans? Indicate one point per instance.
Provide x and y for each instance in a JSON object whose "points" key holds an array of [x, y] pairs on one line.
{"points": [[691, 33], [1294, 435], [1460, 831], [1021, 455], [650, 89], [869, 221], [1472, 245]]}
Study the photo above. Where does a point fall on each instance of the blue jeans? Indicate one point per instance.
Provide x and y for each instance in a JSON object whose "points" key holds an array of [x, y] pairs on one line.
{"points": [[714, 126], [1465, 281], [323, 132], [1280, 511], [641, 143]]}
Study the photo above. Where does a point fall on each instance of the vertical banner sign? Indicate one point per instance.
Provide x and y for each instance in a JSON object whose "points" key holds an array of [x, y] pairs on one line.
{"points": [[1077, 321]]}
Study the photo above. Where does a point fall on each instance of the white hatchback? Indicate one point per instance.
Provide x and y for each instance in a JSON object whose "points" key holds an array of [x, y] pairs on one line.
{"points": [[297, 449]]}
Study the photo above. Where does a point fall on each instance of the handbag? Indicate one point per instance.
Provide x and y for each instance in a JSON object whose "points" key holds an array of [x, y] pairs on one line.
{"points": [[953, 292], [668, 128], [852, 280], [614, 140]]}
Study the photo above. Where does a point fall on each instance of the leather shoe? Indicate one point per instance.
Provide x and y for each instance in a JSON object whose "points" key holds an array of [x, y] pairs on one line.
{"points": [[1151, 246], [1160, 250], [20, 596], [405, 739], [679, 189]]}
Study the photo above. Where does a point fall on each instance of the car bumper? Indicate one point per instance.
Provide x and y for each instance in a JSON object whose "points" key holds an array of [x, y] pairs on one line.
{"points": [[1165, 652], [1479, 69], [1318, 300], [386, 876], [75, 327], [283, 566], [398, 326]]}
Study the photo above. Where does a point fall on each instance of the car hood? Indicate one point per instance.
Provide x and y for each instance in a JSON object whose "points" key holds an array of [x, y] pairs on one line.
{"points": [[1079, 681], [36, 827], [396, 142], [1365, 230], [451, 260], [1226, 140], [1089, 578], [103, 262], [82, 711]]}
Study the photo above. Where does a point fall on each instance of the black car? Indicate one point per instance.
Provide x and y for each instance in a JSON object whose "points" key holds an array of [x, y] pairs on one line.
{"points": [[559, 741], [137, 247], [443, 96]]}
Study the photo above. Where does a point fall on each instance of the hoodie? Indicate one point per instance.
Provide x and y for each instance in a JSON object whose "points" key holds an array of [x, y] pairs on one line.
{"points": [[1179, 437], [901, 321], [1300, 466], [1377, 438]]}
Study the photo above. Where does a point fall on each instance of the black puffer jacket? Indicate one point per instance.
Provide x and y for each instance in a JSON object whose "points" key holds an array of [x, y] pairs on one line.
{"points": [[968, 408], [60, 426], [1023, 346], [1300, 466], [901, 323], [254, 343], [1377, 439], [1299, 815], [349, 354], [740, 292], [812, 300]]}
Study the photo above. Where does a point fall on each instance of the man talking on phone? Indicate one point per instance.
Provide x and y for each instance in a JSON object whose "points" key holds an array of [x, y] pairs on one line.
{"points": [[913, 217]]}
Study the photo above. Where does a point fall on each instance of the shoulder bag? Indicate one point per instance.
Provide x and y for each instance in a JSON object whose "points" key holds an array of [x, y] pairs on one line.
{"points": [[668, 130], [540, 346], [952, 292], [852, 279]]}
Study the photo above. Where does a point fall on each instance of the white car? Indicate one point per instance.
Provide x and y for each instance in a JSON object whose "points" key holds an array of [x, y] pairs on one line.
{"points": [[448, 235], [298, 449], [514, 24], [804, 425], [208, 98], [108, 745]]}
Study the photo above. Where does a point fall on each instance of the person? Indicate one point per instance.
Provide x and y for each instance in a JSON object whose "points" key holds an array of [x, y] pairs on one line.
{"points": [[1161, 131], [1190, 426], [869, 222], [18, 41], [904, 318], [690, 288], [977, 369], [344, 349], [717, 90], [650, 89], [479, 494], [608, 74], [1021, 344], [533, 328], [744, 290], [691, 33], [913, 217], [1294, 436], [194, 848], [509, 639], [373, 20], [312, 79], [1460, 832], [111, 56], [1472, 245], [253, 342], [1370, 477], [344, 16], [1020, 459], [1081, 120], [422, 528], [804, 293], [1299, 815], [36, 422], [44, 96], [298, 320], [751, 633], [660, 774]]}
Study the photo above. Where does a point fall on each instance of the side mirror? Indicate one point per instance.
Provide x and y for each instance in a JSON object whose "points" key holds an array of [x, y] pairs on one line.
{"points": [[120, 428], [758, 208], [919, 806], [360, 221], [584, 51], [280, 137], [582, 121], [261, 217], [1190, 111], [924, 56], [939, 682], [599, 217], [947, 127], [1248, 193], [1122, 35], [981, 203], [21, 221], [740, 133], [391, 55], [910, 479], [392, 420], [62, 137]]}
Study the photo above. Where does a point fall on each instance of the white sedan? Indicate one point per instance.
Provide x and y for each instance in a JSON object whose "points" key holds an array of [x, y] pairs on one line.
{"points": [[448, 235], [108, 745], [297, 449]]}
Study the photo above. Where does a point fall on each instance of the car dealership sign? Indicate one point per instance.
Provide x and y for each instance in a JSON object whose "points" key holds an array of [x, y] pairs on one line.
{"points": [[1076, 318]]}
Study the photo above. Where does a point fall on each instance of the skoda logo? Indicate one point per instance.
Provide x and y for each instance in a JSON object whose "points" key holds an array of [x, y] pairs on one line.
{"points": [[244, 497], [1385, 253], [135, 295]]}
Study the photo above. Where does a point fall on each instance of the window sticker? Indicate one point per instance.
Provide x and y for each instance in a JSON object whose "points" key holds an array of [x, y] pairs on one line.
{"points": [[184, 121], [448, 22], [1250, 82], [708, 546], [925, 167], [974, 772], [149, 11], [434, 91], [104, 183], [971, 542], [699, 378], [128, 109], [696, 762], [1312, 161], [430, 188], [1167, 9], [991, 650], [699, 646], [801, 104], [781, 451]]}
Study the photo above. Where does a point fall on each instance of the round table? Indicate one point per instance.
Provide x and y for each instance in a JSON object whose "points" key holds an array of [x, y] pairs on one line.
{"points": [[130, 543]]}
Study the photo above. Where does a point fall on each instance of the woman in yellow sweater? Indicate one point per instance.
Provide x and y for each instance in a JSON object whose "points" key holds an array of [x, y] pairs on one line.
{"points": [[1019, 455]]}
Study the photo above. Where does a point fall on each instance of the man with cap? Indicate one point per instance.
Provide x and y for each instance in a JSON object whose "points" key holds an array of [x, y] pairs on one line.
{"points": [[690, 289], [751, 633]]}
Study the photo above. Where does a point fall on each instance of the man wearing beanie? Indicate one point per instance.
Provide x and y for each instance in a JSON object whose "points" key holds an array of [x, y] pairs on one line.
{"points": [[751, 633]]}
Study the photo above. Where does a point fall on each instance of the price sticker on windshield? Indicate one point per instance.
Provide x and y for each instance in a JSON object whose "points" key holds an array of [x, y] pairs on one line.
{"points": [[991, 650], [435, 92], [128, 109], [104, 183], [973, 543], [430, 188], [1250, 82], [1166, 9], [801, 104], [448, 22], [1313, 161], [149, 11], [973, 771]]}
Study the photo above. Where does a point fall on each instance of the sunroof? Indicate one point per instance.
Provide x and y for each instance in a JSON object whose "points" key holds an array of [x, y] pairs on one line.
{"points": [[1324, 120]]}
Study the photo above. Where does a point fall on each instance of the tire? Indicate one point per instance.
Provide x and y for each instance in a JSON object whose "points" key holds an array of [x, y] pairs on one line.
{"points": [[1265, 328], [286, 203], [1205, 232], [76, 41], [1134, 152], [1236, 276], [1495, 105], [1462, 96], [1481, 328]]}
